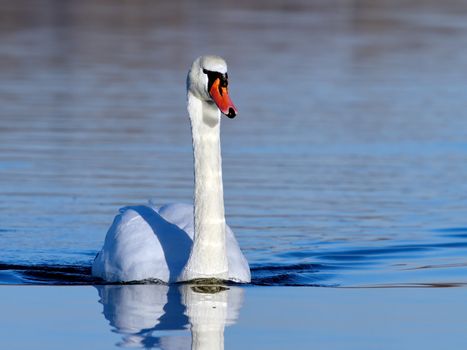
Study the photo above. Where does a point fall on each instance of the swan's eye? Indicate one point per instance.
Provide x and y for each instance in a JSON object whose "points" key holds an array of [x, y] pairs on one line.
{"points": [[213, 76], [224, 81]]}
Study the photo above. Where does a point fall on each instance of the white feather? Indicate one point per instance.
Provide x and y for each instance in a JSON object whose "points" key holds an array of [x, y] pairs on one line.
{"points": [[178, 242]]}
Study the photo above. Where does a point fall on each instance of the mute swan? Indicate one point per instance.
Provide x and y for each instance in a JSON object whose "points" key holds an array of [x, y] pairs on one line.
{"points": [[177, 242]]}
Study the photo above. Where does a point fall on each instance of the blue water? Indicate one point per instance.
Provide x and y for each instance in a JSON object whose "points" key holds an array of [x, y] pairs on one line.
{"points": [[346, 166], [277, 318]]}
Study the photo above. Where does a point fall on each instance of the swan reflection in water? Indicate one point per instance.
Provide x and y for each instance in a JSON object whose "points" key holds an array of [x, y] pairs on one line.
{"points": [[144, 314]]}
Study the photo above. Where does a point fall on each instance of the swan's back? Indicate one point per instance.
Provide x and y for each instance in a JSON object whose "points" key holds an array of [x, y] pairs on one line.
{"points": [[149, 243]]}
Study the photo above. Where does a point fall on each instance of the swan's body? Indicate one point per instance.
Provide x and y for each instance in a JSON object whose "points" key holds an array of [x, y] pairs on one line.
{"points": [[146, 242], [178, 242]]}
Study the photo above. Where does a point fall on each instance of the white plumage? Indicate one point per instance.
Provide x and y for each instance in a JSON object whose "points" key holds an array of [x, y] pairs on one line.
{"points": [[145, 242], [179, 242]]}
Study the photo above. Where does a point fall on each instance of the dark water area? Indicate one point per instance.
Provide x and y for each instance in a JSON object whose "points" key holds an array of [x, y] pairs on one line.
{"points": [[346, 166]]}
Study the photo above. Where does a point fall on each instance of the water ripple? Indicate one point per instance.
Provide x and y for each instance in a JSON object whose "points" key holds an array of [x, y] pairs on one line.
{"points": [[352, 174]]}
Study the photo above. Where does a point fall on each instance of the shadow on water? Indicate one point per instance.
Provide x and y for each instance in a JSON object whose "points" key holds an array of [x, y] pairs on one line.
{"points": [[141, 314]]}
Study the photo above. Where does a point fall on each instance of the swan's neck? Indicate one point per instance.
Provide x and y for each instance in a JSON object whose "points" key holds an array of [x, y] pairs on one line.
{"points": [[208, 258]]}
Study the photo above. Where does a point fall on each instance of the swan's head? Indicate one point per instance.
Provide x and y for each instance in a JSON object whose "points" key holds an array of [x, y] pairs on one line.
{"points": [[208, 80]]}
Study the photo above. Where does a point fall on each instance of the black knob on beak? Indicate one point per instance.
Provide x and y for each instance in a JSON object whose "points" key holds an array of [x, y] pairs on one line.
{"points": [[231, 113]]}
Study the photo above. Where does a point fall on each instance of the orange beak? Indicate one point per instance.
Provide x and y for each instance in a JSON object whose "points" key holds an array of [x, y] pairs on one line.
{"points": [[221, 97]]}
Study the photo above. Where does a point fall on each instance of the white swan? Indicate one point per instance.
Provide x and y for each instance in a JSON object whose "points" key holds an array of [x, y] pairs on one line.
{"points": [[177, 242]]}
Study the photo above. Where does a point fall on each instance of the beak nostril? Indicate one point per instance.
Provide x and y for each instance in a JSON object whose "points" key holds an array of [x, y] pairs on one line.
{"points": [[231, 113]]}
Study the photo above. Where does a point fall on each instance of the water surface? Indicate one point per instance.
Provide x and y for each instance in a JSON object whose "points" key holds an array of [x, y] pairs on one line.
{"points": [[154, 316], [345, 167]]}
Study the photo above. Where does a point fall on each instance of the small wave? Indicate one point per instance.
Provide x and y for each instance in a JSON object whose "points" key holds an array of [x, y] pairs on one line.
{"points": [[387, 265], [413, 285], [273, 275], [454, 232], [306, 274], [50, 274]]}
